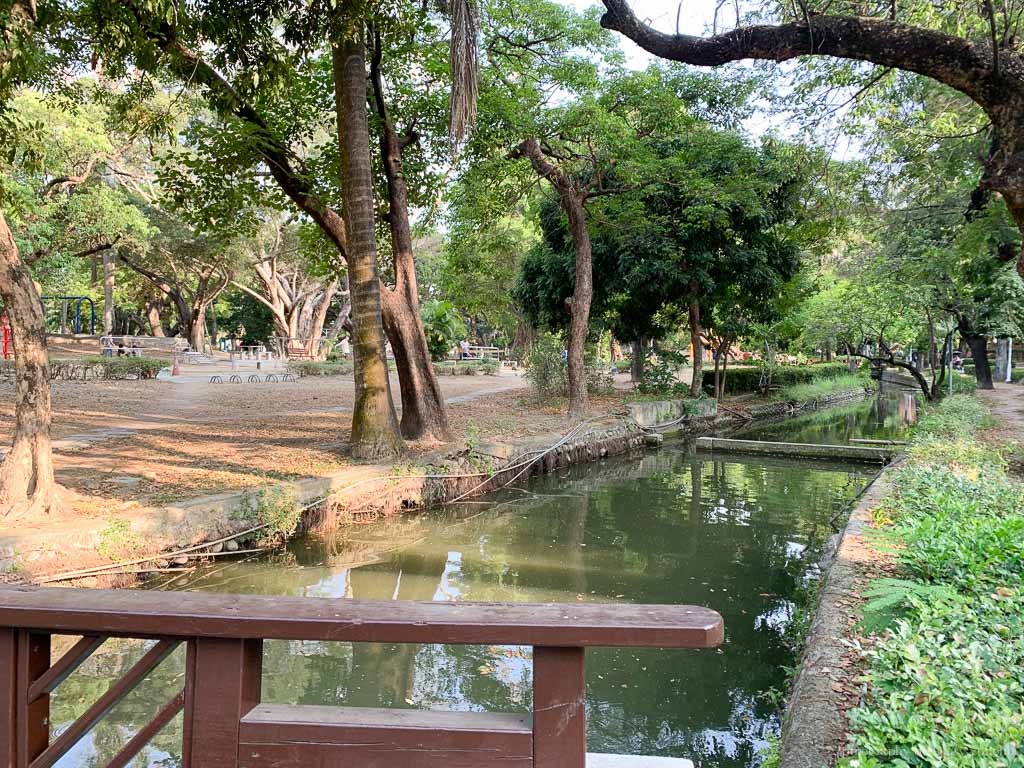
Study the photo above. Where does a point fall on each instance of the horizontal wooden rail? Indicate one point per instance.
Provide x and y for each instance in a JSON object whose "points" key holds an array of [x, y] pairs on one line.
{"points": [[174, 614], [225, 725]]}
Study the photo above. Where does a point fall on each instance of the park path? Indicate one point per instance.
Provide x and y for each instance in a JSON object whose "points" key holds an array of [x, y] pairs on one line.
{"points": [[1006, 402]]}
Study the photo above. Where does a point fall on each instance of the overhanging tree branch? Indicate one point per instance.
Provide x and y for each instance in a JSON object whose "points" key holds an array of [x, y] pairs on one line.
{"points": [[955, 61]]}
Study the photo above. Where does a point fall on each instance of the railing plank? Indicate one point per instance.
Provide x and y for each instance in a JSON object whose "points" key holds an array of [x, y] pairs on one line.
{"points": [[65, 666], [117, 691], [227, 681], [559, 708], [148, 731], [33, 726], [140, 613], [301, 736], [8, 695]]}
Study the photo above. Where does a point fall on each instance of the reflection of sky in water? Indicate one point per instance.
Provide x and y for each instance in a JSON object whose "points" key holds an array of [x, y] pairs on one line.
{"points": [[741, 536]]}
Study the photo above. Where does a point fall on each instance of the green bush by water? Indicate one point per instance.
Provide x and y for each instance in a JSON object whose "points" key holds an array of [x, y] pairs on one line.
{"points": [[945, 681], [816, 390], [741, 379]]}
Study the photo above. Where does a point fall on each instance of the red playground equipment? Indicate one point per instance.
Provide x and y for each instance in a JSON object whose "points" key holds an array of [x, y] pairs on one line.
{"points": [[5, 331]]}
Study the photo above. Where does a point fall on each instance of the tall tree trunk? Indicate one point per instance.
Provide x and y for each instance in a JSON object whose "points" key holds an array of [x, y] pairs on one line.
{"points": [[109, 273], [572, 199], [375, 433], [424, 413], [27, 485], [579, 304], [196, 328], [316, 328], [697, 344], [979, 354], [153, 308], [636, 368]]}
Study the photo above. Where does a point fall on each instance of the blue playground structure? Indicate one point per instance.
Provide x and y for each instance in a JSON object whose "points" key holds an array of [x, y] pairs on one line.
{"points": [[62, 316]]}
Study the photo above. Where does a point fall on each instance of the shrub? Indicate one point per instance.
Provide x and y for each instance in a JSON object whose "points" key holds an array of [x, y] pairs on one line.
{"points": [[545, 368], [305, 368], [659, 377], [623, 365], [815, 390], [120, 368], [490, 367], [443, 327], [548, 373], [1017, 375]]}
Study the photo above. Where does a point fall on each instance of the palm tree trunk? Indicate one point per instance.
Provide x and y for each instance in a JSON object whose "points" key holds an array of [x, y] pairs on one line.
{"points": [[375, 432]]}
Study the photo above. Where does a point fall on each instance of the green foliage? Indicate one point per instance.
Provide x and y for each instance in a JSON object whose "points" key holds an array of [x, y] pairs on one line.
{"points": [[822, 388], [749, 379], [122, 368], [305, 368], [943, 683], [247, 319], [659, 377], [117, 541], [443, 326], [545, 369], [280, 511]]}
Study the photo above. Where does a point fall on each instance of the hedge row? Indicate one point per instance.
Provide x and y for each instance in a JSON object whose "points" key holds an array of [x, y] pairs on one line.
{"points": [[748, 378], [305, 368], [109, 368]]}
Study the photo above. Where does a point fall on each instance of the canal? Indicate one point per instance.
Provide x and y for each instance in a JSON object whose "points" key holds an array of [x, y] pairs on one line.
{"points": [[742, 535]]}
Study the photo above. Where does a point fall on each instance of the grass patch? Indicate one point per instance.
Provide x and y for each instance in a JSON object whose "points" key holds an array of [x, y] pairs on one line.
{"points": [[817, 390], [945, 677]]}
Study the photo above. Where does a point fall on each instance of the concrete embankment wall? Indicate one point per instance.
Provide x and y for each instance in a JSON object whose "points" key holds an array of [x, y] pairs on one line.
{"points": [[813, 730]]}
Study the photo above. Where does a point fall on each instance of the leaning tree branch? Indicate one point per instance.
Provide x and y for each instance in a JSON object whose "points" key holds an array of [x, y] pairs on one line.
{"points": [[890, 359], [955, 61], [191, 68]]}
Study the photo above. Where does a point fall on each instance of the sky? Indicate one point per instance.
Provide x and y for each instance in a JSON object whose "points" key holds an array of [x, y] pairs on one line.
{"points": [[695, 18]]}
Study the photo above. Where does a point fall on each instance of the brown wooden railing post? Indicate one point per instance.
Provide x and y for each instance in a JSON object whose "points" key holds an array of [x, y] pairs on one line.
{"points": [[8, 695], [225, 686], [33, 718], [559, 708]]}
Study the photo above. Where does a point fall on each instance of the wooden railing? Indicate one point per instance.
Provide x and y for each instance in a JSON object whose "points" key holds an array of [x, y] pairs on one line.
{"points": [[226, 726]]}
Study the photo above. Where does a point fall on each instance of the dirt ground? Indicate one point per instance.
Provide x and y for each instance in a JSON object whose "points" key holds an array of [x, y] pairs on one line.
{"points": [[1007, 404], [127, 443]]}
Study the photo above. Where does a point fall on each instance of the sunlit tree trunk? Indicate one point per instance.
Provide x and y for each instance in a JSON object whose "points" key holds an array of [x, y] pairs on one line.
{"points": [[697, 344], [109, 272], [27, 484], [375, 432], [572, 199], [424, 413]]}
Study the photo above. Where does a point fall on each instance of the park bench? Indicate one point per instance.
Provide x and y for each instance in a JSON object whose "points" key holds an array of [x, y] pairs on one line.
{"points": [[225, 725]]}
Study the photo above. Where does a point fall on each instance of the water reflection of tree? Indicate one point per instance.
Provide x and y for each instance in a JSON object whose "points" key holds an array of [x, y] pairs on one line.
{"points": [[78, 692]]}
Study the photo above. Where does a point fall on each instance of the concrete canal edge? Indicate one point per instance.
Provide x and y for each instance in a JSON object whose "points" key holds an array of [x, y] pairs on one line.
{"points": [[814, 725], [870, 454], [363, 492], [157, 535]]}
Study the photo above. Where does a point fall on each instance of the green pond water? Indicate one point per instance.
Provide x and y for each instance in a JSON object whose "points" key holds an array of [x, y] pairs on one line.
{"points": [[740, 535]]}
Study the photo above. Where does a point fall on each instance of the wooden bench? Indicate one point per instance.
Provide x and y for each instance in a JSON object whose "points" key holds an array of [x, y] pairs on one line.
{"points": [[227, 726]]}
